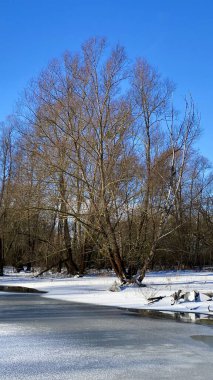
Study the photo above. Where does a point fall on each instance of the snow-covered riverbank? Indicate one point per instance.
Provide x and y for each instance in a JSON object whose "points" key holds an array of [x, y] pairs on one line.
{"points": [[94, 289]]}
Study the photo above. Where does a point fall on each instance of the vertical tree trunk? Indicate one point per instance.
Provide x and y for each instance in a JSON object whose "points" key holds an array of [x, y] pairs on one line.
{"points": [[1, 258], [147, 262], [70, 264], [152, 252]]}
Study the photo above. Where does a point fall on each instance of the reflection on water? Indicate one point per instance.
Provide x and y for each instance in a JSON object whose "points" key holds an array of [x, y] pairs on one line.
{"points": [[208, 339], [19, 289], [178, 316]]}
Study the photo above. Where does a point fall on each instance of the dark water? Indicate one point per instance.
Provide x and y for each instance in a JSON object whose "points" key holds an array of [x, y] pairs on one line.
{"points": [[19, 289], [49, 339]]}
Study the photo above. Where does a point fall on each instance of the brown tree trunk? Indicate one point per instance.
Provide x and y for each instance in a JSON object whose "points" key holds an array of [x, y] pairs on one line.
{"points": [[117, 262], [147, 262], [1, 258], [69, 262], [152, 252]]}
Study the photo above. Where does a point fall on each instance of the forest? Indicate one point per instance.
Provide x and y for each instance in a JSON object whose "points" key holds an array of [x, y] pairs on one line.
{"points": [[99, 170]]}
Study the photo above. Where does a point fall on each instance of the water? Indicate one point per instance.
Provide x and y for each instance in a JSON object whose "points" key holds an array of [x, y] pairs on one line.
{"points": [[49, 339]]}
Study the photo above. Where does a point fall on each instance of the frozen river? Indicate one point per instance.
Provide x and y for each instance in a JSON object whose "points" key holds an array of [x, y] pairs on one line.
{"points": [[48, 339]]}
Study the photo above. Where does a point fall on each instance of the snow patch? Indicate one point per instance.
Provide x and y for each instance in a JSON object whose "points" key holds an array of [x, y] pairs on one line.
{"points": [[194, 290]]}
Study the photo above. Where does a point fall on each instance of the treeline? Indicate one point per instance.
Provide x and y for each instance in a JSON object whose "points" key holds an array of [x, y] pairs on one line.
{"points": [[99, 170]]}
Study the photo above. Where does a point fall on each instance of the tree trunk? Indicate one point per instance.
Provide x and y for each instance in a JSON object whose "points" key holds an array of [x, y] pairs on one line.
{"points": [[1, 258], [70, 264], [147, 262], [152, 252], [117, 262]]}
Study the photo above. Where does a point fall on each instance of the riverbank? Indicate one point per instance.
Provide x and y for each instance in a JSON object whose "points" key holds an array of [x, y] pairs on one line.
{"points": [[157, 295]]}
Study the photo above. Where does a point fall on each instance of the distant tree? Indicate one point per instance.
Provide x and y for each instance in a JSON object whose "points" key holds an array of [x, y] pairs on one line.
{"points": [[5, 179]]}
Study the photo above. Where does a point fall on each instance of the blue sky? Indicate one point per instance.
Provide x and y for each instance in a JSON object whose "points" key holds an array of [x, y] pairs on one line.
{"points": [[176, 36]]}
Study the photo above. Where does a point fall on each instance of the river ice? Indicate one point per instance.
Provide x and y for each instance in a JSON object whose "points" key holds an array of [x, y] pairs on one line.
{"points": [[50, 339]]}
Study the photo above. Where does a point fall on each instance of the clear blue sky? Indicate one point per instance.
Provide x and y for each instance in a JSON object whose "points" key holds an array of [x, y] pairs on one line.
{"points": [[176, 36]]}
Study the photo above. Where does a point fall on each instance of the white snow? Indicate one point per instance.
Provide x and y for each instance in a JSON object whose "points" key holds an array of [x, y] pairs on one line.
{"points": [[94, 289]]}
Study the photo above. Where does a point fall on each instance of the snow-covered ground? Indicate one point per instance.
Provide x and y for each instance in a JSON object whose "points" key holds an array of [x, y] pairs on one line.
{"points": [[94, 289]]}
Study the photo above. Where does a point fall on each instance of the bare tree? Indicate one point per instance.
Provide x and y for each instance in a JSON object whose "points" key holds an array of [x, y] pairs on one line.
{"points": [[5, 178], [104, 164]]}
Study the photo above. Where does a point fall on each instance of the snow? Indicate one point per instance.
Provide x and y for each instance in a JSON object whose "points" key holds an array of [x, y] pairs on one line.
{"points": [[94, 289]]}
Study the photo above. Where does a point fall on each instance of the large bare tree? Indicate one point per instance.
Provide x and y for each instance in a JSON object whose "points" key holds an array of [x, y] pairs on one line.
{"points": [[105, 162]]}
